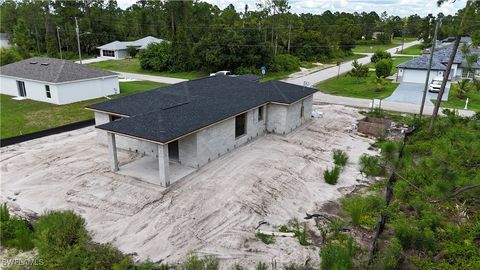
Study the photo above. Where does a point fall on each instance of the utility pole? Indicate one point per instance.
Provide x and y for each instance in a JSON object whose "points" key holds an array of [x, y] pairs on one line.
{"points": [[59, 43], [429, 66], [289, 31], [78, 39]]}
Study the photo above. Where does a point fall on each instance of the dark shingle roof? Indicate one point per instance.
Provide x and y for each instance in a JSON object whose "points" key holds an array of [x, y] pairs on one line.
{"points": [[52, 70], [250, 77], [169, 112], [439, 60]]}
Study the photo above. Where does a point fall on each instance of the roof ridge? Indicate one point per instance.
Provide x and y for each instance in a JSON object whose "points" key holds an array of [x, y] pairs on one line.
{"points": [[60, 70]]}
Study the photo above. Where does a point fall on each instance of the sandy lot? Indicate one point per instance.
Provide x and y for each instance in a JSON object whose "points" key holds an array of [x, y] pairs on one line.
{"points": [[214, 211]]}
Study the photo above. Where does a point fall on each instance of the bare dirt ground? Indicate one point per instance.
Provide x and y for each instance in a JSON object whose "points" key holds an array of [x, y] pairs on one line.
{"points": [[214, 211]]}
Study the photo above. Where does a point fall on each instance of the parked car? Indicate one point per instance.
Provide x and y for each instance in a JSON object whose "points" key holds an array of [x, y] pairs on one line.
{"points": [[435, 85], [222, 72]]}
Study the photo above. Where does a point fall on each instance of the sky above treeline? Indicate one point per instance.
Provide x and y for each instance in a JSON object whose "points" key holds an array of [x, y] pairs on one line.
{"points": [[401, 8]]}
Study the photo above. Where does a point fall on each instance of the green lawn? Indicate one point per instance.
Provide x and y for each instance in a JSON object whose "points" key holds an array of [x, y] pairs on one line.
{"points": [[414, 50], [132, 65], [356, 87], [26, 116], [375, 47], [456, 103]]}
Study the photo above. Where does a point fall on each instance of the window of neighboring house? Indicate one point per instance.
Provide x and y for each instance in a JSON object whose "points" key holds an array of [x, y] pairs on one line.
{"points": [[108, 53], [47, 91], [22, 92], [260, 113], [114, 117], [240, 125]]}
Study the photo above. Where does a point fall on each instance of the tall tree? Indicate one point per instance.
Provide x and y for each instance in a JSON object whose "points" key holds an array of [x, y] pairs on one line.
{"points": [[22, 38]]}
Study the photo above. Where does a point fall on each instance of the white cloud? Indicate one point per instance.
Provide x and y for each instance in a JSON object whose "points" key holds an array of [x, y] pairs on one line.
{"points": [[393, 7]]}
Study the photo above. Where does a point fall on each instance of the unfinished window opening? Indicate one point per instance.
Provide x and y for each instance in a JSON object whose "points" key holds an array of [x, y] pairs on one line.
{"points": [[240, 125], [260, 114], [173, 151], [22, 92], [114, 117], [302, 111], [47, 91]]}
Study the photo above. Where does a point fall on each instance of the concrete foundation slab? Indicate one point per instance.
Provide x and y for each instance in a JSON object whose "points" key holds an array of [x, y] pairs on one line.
{"points": [[146, 169]]}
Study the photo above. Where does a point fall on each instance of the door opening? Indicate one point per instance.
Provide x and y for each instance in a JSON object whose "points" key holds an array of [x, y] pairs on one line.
{"points": [[173, 154]]}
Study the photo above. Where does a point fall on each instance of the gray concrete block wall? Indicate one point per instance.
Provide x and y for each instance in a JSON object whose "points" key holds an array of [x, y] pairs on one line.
{"points": [[187, 151], [294, 119], [276, 118], [125, 143]]}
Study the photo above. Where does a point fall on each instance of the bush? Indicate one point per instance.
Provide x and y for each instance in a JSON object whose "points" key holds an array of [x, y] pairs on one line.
{"points": [[340, 158], [331, 176], [371, 166], [411, 236], [390, 256], [285, 62], [14, 232], [337, 256], [380, 55], [132, 51], [384, 39], [194, 263], [261, 266], [266, 238], [156, 57], [383, 68], [358, 70], [9, 55], [364, 210]]}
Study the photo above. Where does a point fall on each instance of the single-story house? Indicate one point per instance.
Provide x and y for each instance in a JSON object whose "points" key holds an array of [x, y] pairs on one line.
{"points": [[118, 49], [181, 127], [56, 81], [5, 40], [415, 70]]}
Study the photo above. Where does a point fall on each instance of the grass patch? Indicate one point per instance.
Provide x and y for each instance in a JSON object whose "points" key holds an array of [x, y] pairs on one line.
{"points": [[364, 210], [132, 65], [375, 47], [331, 176], [349, 86], [266, 238], [413, 50], [27, 116], [457, 103], [340, 158]]}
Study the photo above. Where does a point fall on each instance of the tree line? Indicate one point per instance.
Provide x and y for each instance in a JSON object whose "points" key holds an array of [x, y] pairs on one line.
{"points": [[202, 36]]}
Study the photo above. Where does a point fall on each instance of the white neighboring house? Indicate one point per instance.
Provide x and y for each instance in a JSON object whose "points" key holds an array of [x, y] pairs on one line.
{"points": [[415, 70], [118, 49], [56, 81]]}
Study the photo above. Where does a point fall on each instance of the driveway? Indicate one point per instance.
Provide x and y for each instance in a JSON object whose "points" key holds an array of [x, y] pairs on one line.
{"points": [[413, 92]]}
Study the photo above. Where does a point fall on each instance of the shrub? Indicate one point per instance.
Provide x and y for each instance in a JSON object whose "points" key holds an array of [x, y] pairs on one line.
{"points": [[331, 176], [299, 232], [384, 39], [132, 51], [462, 88], [194, 263], [391, 254], [364, 210], [383, 68], [379, 55], [358, 70], [411, 236], [261, 266], [337, 256], [157, 57], [14, 232], [285, 62], [340, 158], [9, 55], [266, 238], [371, 165]]}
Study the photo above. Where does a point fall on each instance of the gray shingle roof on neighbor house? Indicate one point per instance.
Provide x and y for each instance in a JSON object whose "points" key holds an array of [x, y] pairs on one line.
{"points": [[52, 70], [439, 60], [169, 112]]}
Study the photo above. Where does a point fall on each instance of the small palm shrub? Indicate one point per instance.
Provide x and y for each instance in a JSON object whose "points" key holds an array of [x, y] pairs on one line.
{"points": [[331, 176], [266, 238], [340, 158], [371, 165]]}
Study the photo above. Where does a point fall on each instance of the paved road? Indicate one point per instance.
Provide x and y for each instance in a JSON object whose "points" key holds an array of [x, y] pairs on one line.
{"points": [[316, 77], [152, 78]]}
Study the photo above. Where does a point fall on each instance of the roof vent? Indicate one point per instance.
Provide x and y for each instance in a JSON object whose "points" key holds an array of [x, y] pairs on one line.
{"points": [[45, 64], [33, 62]]}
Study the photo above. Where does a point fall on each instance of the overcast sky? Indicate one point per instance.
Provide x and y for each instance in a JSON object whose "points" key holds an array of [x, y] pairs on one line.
{"points": [[393, 7]]}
